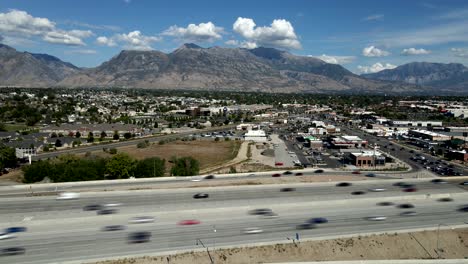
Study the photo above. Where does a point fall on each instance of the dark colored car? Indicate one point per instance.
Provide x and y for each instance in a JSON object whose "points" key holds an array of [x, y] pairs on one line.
{"points": [[209, 177], [287, 173], [356, 172], [343, 184], [299, 174], [287, 189], [411, 151], [15, 229], [261, 211], [201, 196], [113, 228], [276, 175], [405, 206], [305, 226], [318, 220], [409, 213], [465, 183], [13, 251], [438, 181], [463, 208], [445, 199], [370, 175], [410, 190], [358, 193], [107, 211], [385, 203], [92, 207], [318, 171], [139, 237]]}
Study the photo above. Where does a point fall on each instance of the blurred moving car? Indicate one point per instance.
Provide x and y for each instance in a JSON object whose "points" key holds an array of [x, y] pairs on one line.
{"points": [[405, 206], [356, 172], [270, 215], [319, 171], [465, 183], [13, 251], [409, 213], [261, 211], [377, 189], [113, 228], [463, 208], [209, 177], [189, 222], [445, 199], [15, 229], [439, 181], [376, 218], [299, 174], [385, 203], [139, 237], [287, 189], [276, 175], [68, 196], [141, 220], [370, 175], [201, 196], [252, 230], [343, 184], [6, 236], [279, 163], [287, 173], [410, 189], [358, 193], [92, 207], [318, 220], [106, 211]]}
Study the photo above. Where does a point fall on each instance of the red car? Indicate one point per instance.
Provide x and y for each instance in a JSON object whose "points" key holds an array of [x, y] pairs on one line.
{"points": [[276, 175], [410, 189], [279, 163], [189, 222], [356, 172]]}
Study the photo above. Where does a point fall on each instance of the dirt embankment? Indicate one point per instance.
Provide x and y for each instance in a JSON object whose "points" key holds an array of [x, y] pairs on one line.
{"points": [[453, 244]]}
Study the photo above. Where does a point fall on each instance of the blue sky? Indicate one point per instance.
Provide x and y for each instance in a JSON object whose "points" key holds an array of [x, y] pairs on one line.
{"points": [[363, 36]]}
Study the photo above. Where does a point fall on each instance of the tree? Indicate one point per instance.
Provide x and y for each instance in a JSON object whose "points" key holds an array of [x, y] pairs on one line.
{"points": [[37, 171], [58, 143], [71, 134], [90, 137], [127, 135], [120, 166], [156, 125], [53, 135], [77, 134], [113, 151], [116, 135], [150, 167], [185, 166], [7, 157], [103, 134], [2, 127]]}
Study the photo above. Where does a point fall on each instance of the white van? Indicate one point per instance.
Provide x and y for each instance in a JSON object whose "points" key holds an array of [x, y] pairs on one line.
{"points": [[68, 196]]}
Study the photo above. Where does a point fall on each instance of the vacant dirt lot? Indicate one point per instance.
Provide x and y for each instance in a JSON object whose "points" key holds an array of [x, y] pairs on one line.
{"points": [[416, 245], [209, 153]]}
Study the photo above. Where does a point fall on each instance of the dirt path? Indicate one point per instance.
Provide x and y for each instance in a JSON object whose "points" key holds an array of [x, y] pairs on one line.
{"points": [[241, 157], [453, 244]]}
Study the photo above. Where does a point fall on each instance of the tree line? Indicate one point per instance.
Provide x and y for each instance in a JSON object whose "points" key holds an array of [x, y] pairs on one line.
{"points": [[69, 168]]}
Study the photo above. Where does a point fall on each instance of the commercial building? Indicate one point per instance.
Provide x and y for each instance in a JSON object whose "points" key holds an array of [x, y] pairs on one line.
{"points": [[348, 142], [367, 158], [256, 136], [458, 155], [409, 123], [429, 135]]}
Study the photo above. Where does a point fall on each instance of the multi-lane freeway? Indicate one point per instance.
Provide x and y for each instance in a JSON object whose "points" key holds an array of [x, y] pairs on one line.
{"points": [[59, 230]]}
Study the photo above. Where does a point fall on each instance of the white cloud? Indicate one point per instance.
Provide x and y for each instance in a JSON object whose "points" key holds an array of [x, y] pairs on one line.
{"points": [[459, 52], [105, 41], [20, 23], [198, 33], [133, 40], [82, 51], [335, 59], [375, 17], [372, 51], [232, 42], [376, 67], [414, 51], [279, 34]]}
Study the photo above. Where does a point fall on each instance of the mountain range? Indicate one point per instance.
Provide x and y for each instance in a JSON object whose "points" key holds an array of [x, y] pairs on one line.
{"points": [[216, 68]]}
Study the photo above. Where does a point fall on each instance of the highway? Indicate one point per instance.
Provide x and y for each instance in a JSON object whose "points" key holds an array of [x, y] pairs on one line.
{"points": [[61, 231]]}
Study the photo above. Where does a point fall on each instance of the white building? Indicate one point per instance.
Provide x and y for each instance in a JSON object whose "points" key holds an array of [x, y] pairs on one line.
{"points": [[415, 123], [255, 135]]}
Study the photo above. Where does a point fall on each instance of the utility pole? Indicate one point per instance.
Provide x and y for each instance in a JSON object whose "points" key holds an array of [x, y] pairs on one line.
{"points": [[207, 250]]}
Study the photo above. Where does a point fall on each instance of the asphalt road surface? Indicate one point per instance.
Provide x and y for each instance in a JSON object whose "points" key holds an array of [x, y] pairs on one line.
{"points": [[61, 231]]}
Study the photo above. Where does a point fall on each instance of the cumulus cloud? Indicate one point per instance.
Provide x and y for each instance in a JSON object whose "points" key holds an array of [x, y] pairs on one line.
{"points": [[242, 44], [134, 40], [459, 52], [374, 17], [203, 32], [414, 51], [20, 23], [335, 59], [279, 34], [372, 51], [376, 67], [232, 42]]}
